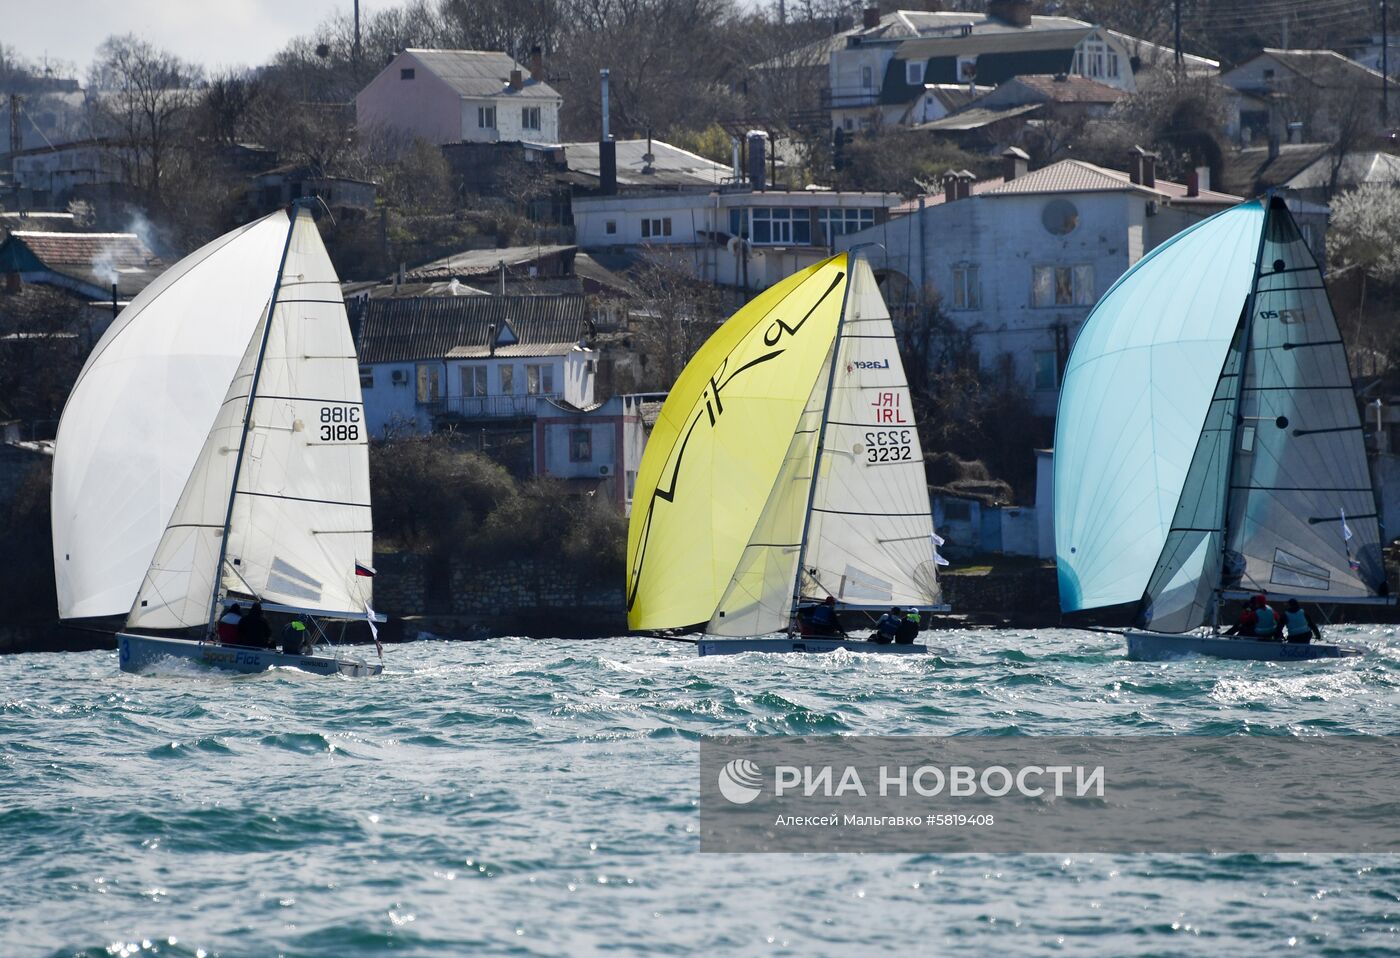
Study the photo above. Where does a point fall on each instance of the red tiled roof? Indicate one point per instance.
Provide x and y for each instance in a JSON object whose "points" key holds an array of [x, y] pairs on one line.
{"points": [[98, 259]]}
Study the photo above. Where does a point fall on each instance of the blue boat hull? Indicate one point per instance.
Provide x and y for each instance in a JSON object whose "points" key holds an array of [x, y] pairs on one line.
{"points": [[804, 644], [1160, 647], [136, 653]]}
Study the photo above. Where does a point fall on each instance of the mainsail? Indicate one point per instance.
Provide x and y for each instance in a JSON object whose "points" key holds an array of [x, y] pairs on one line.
{"points": [[810, 380], [141, 409], [1208, 438]]}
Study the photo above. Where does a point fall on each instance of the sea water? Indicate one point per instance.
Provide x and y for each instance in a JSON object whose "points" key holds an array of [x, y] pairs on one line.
{"points": [[518, 797]]}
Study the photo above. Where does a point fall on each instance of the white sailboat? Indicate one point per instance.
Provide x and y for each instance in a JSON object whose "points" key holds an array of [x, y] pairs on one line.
{"points": [[785, 467], [1208, 445], [213, 450]]}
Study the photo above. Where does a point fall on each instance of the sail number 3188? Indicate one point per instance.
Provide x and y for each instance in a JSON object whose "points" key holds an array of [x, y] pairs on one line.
{"points": [[889, 445], [340, 423]]}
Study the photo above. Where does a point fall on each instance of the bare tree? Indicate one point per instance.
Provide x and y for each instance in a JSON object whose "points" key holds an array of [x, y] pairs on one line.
{"points": [[142, 96], [677, 314]]}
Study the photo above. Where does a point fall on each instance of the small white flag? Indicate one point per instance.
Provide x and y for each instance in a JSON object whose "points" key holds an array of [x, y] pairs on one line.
{"points": [[1346, 533], [937, 539], [939, 560], [373, 629]]}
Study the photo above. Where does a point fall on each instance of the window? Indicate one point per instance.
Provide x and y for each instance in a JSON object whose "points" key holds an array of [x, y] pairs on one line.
{"points": [[867, 78], [848, 124], [610, 227], [1062, 286], [473, 380], [486, 117], [1094, 58], [957, 510], [834, 223], [507, 380], [1046, 369], [406, 73], [914, 73], [530, 117], [580, 445], [366, 377], [429, 382], [658, 226], [1112, 63], [539, 380], [967, 287]]}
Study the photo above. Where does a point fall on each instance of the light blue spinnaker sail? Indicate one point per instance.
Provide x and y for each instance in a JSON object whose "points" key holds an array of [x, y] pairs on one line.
{"points": [[1136, 391]]}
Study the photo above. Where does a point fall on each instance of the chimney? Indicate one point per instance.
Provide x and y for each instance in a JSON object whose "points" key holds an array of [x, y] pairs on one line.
{"points": [[758, 160], [1276, 126], [1014, 163], [965, 180], [603, 75], [1203, 178], [1016, 13], [1193, 183], [1295, 131], [1149, 170], [516, 80], [950, 186], [607, 147], [870, 16], [537, 64]]}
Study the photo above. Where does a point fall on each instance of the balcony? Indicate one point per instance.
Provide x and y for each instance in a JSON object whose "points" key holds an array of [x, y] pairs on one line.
{"points": [[486, 407]]}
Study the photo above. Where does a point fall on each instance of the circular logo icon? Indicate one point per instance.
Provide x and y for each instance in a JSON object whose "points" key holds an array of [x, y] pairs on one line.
{"points": [[740, 781]]}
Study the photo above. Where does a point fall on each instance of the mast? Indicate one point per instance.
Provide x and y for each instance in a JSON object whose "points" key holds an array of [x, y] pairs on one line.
{"points": [[1246, 334], [821, 435], [293, 212]]}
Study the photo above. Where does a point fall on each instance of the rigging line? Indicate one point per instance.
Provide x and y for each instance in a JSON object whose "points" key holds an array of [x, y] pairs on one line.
{"points": [[1298, 489], [335, 402], [1288, 346], [1317, 520], [324, 502], [848, 512], [1314, 432]]}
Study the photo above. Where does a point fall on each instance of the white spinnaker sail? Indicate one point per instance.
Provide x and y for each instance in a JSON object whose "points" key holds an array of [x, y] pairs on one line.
{"points": [[759, 597], [301, 519], [141, 409], [870, 539]]}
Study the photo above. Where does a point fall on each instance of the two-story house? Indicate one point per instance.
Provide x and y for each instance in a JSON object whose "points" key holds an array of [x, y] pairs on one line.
{"points": [[597, 448], [1020, 262], [889, 62], [434, 362], [450, 96], [1282, 96]]}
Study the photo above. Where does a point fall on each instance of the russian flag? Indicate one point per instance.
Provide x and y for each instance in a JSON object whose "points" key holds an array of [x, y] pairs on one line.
{"points": [[365, 570]]}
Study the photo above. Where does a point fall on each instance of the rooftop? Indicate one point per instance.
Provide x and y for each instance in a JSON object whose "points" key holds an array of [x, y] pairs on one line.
{"points": [[1063, 88], [94, 259], [1077, 176], [1356, 169], [1251, 171], [439, 327], [670, 165], [477, 73], [1323, 68]]}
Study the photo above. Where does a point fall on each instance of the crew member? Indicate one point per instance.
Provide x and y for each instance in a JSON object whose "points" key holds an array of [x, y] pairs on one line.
{"points": [[823, 619], [887, 628], [1298, 623], [227, 630]]}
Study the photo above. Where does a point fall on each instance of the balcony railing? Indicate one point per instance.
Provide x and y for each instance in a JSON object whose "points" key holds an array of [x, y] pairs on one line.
{"points": [[488, 407]]}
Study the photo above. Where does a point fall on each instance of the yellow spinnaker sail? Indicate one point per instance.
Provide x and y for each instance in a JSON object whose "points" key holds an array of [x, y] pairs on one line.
{"points": [[719, 443]]}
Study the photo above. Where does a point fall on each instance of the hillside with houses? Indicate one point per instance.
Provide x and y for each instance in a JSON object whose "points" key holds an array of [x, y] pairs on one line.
{"points": [[540, 210]]}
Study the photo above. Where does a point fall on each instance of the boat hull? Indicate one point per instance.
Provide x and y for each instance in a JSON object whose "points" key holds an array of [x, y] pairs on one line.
{"points": [[1160, 647], [803, 644], [136, 653]]}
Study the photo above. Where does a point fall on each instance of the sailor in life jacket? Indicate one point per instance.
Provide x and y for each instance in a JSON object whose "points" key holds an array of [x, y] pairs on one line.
{"points": [[1266, 621], [1299, 624]]}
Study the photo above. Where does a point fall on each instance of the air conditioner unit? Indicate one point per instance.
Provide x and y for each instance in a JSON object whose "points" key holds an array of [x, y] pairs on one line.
{"points": [[399, 376], [604, 470]]}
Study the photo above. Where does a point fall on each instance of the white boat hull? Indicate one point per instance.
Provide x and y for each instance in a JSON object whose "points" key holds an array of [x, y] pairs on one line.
{"points": [[1161, 647], [804, 644], [136, 653]]}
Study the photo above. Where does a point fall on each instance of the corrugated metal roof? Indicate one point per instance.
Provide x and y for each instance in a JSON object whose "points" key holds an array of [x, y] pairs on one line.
{"points": [[480, 262], [478, 73], [1325, 68], [1076, 176], [975, 118], [979, 43], [406, 330], [1356, 169]]}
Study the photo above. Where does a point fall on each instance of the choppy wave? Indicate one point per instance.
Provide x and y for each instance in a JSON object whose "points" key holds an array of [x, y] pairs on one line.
{"points": [[521, 797]]}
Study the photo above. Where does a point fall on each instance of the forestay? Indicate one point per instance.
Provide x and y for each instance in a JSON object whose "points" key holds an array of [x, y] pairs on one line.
{"points": [[300, 518], [139, 413]]}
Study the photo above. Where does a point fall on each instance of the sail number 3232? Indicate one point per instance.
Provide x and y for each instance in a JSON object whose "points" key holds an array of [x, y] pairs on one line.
{"points": [[340, 423], [889, 445]]}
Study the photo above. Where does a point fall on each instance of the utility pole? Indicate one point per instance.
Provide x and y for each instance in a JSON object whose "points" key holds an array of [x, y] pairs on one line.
{"points": [[1176, 20], [15, 101], [1385, 66], [357, 33]]}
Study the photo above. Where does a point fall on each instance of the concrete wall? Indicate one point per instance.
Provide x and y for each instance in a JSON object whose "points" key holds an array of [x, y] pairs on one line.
{"points": [[510, 120]]}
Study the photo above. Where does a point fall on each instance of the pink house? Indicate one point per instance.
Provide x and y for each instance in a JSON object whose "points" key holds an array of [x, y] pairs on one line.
{"points": [[450, 96]]}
